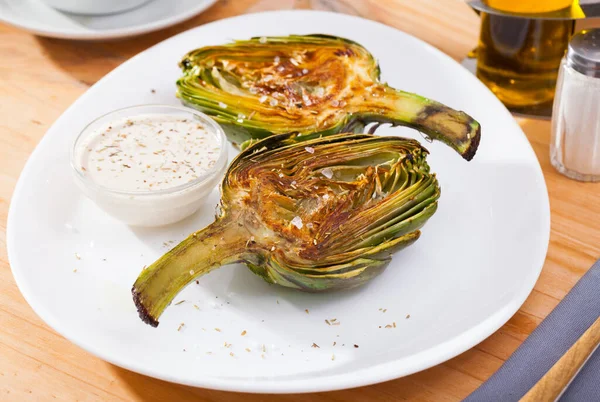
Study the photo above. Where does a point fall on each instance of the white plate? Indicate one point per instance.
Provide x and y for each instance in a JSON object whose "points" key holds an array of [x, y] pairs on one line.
{"points": [[475, 264], [36, 16]]}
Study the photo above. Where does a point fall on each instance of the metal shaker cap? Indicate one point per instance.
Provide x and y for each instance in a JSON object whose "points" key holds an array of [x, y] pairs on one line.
{"points": [[583, 55]]}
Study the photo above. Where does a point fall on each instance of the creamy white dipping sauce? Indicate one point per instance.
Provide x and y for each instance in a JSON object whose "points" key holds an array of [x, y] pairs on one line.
{"points": [[149, 152], [150, 165]]}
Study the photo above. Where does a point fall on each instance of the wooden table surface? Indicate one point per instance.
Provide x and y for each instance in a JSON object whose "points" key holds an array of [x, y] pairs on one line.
{"points": [[41, 77]]}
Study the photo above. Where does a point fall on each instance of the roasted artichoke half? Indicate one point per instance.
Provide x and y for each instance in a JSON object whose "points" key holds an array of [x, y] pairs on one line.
{"points": [[309, 84], [309, 212]]}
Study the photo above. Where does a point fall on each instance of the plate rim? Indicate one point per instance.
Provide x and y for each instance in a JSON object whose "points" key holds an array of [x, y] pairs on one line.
{"points": [[47, 31], [367, 376]]}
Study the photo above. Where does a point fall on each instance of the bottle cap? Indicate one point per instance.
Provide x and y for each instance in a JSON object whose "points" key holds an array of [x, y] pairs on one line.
{"points": [[583, 55], [579, 9]]}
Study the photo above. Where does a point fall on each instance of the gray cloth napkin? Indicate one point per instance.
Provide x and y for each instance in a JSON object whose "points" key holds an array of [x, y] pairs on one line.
{"points": [[550, 340]]}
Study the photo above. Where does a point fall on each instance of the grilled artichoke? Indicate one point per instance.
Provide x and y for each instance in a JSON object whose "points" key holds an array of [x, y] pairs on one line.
{"points": [[308, 212], [309, 84]]}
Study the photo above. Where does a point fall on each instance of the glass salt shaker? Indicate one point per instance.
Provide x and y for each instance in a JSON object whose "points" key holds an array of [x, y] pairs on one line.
{"points": [[575, 144]]}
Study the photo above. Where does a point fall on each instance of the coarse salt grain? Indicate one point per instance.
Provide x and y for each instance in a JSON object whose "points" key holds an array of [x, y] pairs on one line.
{"points": [[310, 150], [297, 221], [327, 172]]}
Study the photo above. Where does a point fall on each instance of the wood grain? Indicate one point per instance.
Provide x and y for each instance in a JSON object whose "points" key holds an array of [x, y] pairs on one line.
{"points": [[41, 77]]}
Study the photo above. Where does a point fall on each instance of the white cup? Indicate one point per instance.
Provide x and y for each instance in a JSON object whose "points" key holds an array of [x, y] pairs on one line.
{"points": [[94, 7]]}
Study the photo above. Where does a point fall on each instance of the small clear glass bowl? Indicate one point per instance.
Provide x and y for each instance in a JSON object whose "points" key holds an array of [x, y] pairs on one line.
{"points": [[159, 207]]}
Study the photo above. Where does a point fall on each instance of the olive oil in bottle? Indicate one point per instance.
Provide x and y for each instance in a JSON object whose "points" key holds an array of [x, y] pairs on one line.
{"points": [[518, 57]]}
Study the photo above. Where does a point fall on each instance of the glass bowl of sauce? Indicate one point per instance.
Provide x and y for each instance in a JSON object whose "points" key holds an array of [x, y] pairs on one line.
{"points": [[150, 165]]}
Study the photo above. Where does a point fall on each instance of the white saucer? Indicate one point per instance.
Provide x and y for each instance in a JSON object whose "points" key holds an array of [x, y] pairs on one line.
{"points": [[37, 17]]}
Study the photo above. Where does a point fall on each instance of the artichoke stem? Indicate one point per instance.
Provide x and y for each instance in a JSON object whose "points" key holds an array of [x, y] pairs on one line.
{"points": [[452, 127], [203, 251]]}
